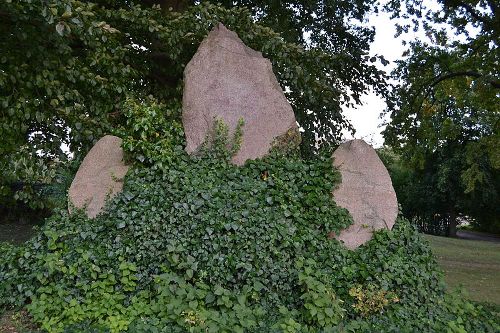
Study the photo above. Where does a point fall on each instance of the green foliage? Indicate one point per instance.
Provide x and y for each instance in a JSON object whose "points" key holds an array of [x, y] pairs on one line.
{"points": [[151, 132], [32, 172], [54, 307], [323, 308], [68, 66], [201, 245], [445, 109], [9, 270], [198, 308], [429, 194], [218, 145], [60, 75], [195, 243]]}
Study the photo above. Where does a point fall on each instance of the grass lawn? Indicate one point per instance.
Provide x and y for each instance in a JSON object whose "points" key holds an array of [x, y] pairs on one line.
{"points": [[473, 264]]}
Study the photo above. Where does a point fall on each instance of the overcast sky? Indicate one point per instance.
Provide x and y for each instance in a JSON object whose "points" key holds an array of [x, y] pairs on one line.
{"points": [[366, 118]]}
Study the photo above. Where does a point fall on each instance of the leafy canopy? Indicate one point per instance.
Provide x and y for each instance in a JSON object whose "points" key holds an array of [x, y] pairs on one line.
{"points": [[67, 66], [445, 109]]}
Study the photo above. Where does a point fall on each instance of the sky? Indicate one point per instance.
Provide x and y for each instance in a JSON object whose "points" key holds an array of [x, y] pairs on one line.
{"points": [[366, 118]]}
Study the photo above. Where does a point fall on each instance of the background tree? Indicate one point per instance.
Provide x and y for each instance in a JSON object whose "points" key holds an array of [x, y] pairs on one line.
{"points": [[445, 115], [433, 197], [67, 66]]}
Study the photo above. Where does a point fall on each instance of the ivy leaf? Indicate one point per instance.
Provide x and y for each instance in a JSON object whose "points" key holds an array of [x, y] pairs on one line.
{"points": [[219, 290], [60, 28]]}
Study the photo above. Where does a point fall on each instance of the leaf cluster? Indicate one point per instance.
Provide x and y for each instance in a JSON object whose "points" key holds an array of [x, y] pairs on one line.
{"points": [[445, 111], [67, 66], [199, 244]]}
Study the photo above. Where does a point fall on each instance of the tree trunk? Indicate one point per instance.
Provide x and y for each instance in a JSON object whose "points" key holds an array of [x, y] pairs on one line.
{"points": [[452, 228]]}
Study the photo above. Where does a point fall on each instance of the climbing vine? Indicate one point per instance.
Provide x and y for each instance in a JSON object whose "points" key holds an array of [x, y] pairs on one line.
{"points": [[197, 244]]}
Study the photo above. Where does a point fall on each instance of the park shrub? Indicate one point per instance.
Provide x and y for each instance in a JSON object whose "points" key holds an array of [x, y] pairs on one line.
{"points": [[197, 244]]}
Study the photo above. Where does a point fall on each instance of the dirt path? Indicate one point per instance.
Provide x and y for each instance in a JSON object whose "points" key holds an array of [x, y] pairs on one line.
{"points": [[475, 235]]}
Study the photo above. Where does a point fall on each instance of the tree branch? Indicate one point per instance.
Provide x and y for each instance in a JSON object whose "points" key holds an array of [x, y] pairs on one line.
{"points": [[472, 12], [494, 84], [489, 23], [442, 78]]}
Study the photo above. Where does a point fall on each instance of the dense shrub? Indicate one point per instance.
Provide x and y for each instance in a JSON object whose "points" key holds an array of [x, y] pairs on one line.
{"points": [[200, 245]]}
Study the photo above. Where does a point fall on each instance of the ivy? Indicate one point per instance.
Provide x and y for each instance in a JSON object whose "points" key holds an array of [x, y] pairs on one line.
{"points": [[323, 308], [197, 244], [151, 131]]}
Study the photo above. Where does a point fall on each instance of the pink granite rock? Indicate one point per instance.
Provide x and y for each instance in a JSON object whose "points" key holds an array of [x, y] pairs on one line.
{"points": [[366, 192], [100, 176], [229, 81]]}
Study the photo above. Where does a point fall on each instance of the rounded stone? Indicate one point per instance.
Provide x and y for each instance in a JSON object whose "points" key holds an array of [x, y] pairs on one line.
{"points": [[99, 177], [365, 191], [228, 81]]}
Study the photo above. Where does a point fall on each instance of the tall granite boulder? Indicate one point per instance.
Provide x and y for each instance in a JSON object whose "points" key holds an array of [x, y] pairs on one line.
{"points": [[100, 176], [229, 81], [366, 192]]}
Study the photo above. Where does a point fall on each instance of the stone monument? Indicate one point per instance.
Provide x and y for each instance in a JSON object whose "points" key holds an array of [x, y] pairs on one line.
{"points": [[100, 176], [229, 81], [366, 192]]}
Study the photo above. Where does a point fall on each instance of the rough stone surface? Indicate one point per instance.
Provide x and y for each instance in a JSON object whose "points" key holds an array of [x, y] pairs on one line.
{"points": [[366, 192], [100, 176], [228, 80]]}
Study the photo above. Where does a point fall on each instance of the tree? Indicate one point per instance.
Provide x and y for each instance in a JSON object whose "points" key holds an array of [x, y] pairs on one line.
{"points": [[433, 196], [445, 111], [66, 67]]}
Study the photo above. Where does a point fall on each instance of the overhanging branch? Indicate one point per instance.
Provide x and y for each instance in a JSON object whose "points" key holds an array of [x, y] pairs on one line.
{"points": [[493, 83], [473, 12], [441, 78]]}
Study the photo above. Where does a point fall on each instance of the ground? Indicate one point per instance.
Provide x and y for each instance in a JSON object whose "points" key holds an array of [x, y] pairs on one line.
{"points": [[16, 322], [473, 264], [18, 226], [15, 232]]}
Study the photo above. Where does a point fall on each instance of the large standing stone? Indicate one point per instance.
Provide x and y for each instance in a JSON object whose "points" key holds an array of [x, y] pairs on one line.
{"points": [[366, 192], [100, 176], [228, 80]]}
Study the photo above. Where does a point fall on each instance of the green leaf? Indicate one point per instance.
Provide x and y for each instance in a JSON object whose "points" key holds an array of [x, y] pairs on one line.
{"points": [[218, 290], [60, 28]]}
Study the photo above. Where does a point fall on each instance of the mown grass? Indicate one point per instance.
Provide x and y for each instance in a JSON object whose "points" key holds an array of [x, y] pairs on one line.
{"points": [[475, 265]]}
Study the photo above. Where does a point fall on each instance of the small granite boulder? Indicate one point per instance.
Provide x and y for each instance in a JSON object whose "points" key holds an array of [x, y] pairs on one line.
{"points": [[366, 192], [100, 176], [228, 81]]}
